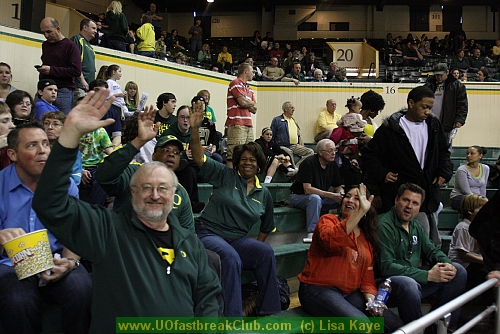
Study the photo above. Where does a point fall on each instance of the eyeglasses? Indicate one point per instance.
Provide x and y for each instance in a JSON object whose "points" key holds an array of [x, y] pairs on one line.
{"points": [[329, 151], [168, 151], [47, 124], [26, 104], [147, 189], [184, 117]]}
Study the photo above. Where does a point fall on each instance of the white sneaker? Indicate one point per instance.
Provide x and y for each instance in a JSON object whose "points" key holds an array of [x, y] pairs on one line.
{"points": [[309, 238]]}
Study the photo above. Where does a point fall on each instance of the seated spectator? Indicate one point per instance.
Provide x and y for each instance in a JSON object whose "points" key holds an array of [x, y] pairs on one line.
{"points": [[276, 158], [327, 121], [318, 75], [255, 41], [303, 53], [47, 93], [161, 48], [388, 44], [209, 112], [21, 107], [310, 191], [412, 56], [93, 146], [332, 68], [132, 98], [296, 75], [273, 72], [165, 103], [5, 79], [470, 178], [268, 38], [287, 134], [351, 125], [181, 130], [173, 42], [257, 74], [208, 133], [495, 52], [6, 125], [129, 246], [263, 53], [146, 33], [53, 122], [340, 75], [460, 62], [483, 76], [435, 46], [288, 62], [464, 248], [309, 64], [214, 68], [69, 284], [476, 61], [225, 59], [456, 73], [404, 245], [276, 51], [347, 245], [224, 224], [204, 55], [146, 151], [180, 58], [472, 45]]}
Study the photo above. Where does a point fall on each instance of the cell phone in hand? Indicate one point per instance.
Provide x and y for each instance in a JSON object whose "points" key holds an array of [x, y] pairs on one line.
{"points": [[38, 66]]}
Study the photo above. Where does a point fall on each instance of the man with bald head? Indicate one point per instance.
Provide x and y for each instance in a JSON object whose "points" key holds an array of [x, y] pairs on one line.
{"points": [[327, 121], [60, 62]]}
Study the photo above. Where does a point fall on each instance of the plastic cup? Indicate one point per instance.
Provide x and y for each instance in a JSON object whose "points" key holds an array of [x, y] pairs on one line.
{"points": [[30, 254]]}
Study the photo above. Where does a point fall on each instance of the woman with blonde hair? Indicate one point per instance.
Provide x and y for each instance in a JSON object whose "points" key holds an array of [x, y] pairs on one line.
{"points": [[5, 79], [118, 26]]}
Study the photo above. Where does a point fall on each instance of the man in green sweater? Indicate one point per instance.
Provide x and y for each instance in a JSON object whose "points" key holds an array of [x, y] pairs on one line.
{"points": [[144, 264], [403, 244]]}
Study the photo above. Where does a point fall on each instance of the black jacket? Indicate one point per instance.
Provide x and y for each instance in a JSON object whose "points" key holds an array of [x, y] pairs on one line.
{"points": [[391, 151], [455, 104]]}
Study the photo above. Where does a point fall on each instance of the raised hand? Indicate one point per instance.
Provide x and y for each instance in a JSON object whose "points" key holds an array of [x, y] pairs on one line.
{"points": [[197, 113], [364, 202], [86, 117], [146, 128]]}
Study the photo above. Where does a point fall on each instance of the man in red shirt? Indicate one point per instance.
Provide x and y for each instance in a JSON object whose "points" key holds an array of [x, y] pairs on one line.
{"points": [[240, 104]]}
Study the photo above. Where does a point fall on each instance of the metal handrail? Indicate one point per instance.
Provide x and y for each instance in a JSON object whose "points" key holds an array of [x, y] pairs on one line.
{"points": [[441, 312]]}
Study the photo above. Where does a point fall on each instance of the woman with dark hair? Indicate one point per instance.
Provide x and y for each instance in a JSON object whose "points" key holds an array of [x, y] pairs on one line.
{"points": [[21, 106], [275, 156], [237, 202], [338, 278], [256, 39], [470, 178], [5, 79]]}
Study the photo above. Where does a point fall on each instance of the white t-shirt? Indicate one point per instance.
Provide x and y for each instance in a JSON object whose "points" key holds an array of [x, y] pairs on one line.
{"points": [[114, 88], [438, 101], [418, 136]]}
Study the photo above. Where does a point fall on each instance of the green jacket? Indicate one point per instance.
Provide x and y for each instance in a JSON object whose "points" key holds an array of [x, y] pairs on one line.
{"points": [[395, 256], [118, 26], [87, 57], [114, 175], [130, 277]]}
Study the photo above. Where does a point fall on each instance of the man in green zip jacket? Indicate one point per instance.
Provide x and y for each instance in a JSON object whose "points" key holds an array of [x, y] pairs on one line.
{"points": [[144, 264]]}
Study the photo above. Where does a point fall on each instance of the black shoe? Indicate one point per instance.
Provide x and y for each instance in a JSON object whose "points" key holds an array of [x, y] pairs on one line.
{"points": [[198, 207]]}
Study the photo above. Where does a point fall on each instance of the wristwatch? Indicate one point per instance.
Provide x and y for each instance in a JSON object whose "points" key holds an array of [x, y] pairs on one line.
{"points": [[77, 263]]}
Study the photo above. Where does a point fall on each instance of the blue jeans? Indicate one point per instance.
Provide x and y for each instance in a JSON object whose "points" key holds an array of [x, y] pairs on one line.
{"points": [[407, 294], [117, 45], [244, 254], [313, 204], [147, 53], [64, 100], [324, 301], [216, 156], [455, 202], [195, 46], [21, 301]]}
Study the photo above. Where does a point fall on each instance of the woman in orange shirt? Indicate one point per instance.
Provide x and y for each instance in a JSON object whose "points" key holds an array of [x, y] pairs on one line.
{"points": [[338, 277]]}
